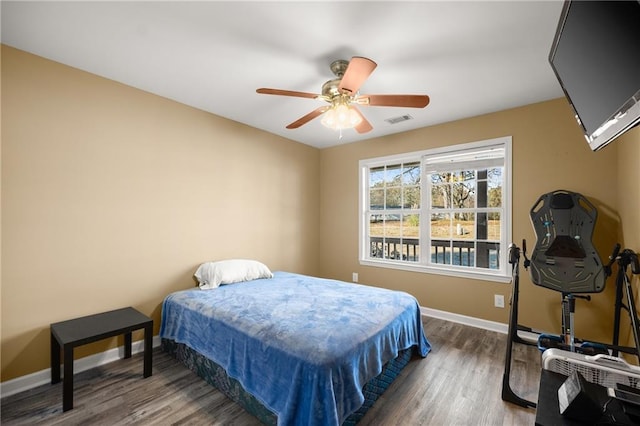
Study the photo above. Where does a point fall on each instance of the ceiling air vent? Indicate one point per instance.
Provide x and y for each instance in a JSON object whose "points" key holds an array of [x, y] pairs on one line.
{"points": [[400, 119]]}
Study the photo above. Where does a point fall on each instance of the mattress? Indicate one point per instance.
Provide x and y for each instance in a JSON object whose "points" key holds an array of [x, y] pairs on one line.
{"points": [[304, 347]]}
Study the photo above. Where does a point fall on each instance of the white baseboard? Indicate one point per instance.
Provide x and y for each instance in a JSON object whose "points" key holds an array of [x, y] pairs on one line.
{"points": [[463, 319], [23, 383], [499, 327]]}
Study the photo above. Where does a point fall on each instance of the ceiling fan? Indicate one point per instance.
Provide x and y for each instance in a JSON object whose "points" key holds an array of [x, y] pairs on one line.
{"points": [[342, 94]]}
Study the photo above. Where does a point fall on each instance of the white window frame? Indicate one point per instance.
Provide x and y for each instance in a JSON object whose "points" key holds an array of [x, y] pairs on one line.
{"points": [[498, 275]]}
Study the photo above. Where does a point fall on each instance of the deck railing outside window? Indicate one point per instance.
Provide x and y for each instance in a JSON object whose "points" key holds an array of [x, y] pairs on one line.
{"points": [[442, 251]]}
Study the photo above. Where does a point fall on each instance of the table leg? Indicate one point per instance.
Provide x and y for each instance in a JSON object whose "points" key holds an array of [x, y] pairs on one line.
{"points": [[148, 341], [67, 381], [127, 345], [55, 360]]}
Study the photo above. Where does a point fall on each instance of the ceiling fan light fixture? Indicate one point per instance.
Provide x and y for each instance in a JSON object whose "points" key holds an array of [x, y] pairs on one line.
{"points": [[343, 94], [341, 116]]}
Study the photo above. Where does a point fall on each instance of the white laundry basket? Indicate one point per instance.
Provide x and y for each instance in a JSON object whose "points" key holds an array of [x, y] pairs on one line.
{"points": [[604, 370]]}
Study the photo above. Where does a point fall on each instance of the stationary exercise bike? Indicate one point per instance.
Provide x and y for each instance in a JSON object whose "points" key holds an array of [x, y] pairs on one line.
{"points": [[565, 261]]}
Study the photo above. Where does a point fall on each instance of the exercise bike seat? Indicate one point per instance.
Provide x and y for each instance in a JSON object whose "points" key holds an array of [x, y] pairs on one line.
{"points": [[564, 259]]}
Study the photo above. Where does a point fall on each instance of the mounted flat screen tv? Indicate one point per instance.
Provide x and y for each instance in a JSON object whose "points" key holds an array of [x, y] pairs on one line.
{"points": [[596, 58]]}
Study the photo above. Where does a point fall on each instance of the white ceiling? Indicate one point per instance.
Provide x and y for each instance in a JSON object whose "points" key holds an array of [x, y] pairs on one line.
{"points": [[471, 58]]}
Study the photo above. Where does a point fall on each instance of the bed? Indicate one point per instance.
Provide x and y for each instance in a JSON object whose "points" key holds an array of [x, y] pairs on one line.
{"points": [[295, 349]]}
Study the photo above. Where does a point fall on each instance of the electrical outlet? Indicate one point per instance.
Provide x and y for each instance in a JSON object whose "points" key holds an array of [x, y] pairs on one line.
{"points": [[355, 277], [498, 301]]}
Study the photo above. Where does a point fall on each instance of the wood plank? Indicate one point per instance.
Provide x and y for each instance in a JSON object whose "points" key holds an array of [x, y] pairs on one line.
{"points": [[459, 382]]}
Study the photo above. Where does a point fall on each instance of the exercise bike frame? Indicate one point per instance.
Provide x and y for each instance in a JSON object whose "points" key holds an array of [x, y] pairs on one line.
{"points": [[625, 259]]}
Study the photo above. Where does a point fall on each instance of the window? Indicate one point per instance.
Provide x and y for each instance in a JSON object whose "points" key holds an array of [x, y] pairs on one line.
{"points": [[394, 211], [446, 210]]}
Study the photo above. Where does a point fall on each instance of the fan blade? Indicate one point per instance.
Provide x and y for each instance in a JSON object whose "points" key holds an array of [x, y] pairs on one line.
{"points": [[304, 120], [364, 125], [266, 91], [358, 70], [409, 101]]}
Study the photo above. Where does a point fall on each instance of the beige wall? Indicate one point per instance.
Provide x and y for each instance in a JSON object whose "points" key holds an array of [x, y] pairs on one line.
{"points": [[549, 153], [112, 196], [628, 188]]}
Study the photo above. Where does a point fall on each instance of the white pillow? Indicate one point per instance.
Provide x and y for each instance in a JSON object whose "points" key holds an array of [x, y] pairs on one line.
{"points": [[212, 274]]}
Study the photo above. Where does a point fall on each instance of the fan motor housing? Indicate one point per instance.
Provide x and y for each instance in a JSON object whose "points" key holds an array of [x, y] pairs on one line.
{"points": [[330, 88], [339, 67]]}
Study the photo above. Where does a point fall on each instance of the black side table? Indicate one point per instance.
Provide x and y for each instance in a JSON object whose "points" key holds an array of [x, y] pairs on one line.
{"points": [[80, 331]]}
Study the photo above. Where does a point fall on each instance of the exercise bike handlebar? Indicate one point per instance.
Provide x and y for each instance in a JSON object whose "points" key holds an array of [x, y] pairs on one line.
{"points": [[629, 257], [527, 262], [612, 259], [614, 254], [625, 258], [514, 253]]}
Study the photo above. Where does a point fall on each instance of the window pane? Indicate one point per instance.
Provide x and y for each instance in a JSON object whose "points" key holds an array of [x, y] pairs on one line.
{"points": [[440, 225], [376, 247], [494, 257], [464, 194], [481, 226], [437, 178], [481, 189], [494, 187], [441, 252], [376, 177], [411, 174], [376, 199], [493, 226], [393, 175], [411, 249], [488, 255], [410, 237], [411, 226], [463, 176], [376, 225], [394, 249], [392, 225], [411, 197], [463, 253], [464, 226], [441, 196], [393, 198]]}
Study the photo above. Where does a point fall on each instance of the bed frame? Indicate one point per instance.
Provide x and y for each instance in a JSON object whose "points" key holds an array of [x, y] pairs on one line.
{"points": [[216, 376]]}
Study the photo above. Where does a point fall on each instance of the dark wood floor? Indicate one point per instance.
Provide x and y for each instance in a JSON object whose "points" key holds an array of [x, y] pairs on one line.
{"points": [[459, 383]]}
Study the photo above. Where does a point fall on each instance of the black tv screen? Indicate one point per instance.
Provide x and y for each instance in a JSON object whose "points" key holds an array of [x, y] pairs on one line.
{"points": [[596, 58]]}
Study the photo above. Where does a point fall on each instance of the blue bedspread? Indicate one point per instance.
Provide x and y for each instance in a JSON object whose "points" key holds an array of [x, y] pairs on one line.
{"points": [[303, 346]]}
